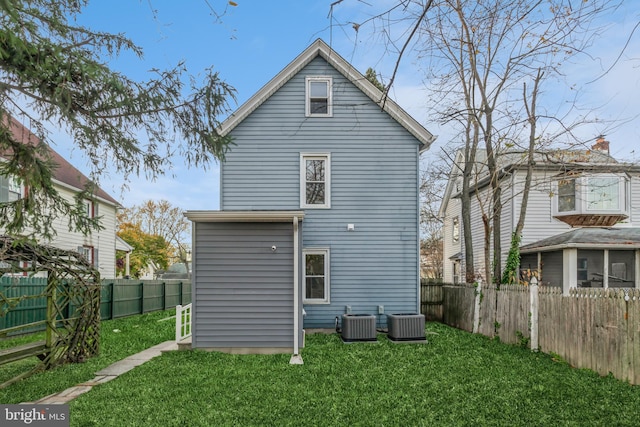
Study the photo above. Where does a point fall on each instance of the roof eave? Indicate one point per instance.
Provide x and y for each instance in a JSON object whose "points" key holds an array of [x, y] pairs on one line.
{"points": [[320, 48], [243, 216]]}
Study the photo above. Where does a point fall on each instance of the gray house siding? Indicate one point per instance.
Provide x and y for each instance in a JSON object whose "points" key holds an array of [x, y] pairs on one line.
{"points": [[243, 291], [374, 179]]}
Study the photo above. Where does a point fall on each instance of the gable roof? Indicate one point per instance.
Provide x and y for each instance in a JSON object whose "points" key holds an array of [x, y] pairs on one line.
{"points": [[65, 173], [320, 48]]}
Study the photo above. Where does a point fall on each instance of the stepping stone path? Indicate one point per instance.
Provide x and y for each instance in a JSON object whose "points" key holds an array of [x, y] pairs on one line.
{"points": [[108, 373]]}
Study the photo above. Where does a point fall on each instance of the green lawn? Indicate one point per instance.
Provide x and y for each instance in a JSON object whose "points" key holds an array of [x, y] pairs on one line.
{"points": [[119, 338], [456, 379]]}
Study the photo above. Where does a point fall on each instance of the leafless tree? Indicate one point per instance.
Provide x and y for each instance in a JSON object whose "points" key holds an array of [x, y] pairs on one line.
{"points": [[476, 57]]}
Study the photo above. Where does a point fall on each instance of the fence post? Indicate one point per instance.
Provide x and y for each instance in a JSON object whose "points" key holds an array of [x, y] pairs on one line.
{"points": [[534, 312], [113, 298], [141, 297], [164, 295], [180, 288], [178, 321], [476, 307]]}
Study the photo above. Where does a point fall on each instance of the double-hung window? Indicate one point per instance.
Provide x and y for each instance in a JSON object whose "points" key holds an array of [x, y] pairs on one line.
{"points": [[90, 208], [318, 99], [86, 252], [10, 189], [315, 180], [566, 195], [316, 276]]}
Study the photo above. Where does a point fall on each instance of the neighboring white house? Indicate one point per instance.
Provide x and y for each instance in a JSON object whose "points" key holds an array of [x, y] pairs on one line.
{"points": [[100, 246], [582, 224]]}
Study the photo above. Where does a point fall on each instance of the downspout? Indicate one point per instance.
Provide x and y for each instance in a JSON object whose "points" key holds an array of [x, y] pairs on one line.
{"points": [[418, 288], [295, 358]]}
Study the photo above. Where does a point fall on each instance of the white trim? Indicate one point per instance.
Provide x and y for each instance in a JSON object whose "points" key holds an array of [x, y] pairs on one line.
{"points": [[243, 216], [581, 193], [295, 358], [303, 180], [327, 278], [307, 95]]}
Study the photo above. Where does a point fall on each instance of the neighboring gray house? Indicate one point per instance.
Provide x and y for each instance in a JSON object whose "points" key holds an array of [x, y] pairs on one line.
{"points": [[582, 225], [319, 210]]}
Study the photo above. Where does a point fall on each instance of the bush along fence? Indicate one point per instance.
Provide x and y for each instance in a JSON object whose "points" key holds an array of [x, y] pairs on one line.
{"points": [[591, 328], [118, 298]]}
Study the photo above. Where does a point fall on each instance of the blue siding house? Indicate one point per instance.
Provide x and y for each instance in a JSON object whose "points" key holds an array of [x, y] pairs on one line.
{"points": [[316, 148]]}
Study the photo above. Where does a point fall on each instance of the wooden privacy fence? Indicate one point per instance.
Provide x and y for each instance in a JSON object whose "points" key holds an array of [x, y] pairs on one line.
{"points": [[597, 329], [431, 297], [119, 298]]}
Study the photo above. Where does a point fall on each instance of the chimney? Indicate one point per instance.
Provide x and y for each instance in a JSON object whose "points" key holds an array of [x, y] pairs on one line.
{"points": [[601, 145]]}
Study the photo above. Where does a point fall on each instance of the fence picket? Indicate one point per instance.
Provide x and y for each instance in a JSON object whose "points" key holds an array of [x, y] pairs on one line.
{"points": [[597, 329]]}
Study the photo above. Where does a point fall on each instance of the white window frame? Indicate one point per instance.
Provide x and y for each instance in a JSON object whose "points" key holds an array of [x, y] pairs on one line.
{"points": [[87, 252], [307, 103], [455, 229], [303, 180], [88, 204], [620, 195], [14, 187], [576, 196], [582, 188], [327, 279]]}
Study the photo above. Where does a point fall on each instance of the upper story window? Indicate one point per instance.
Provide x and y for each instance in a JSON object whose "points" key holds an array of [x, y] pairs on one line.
{"points": [[315, 183], [90, 208], [603, 194], [591, 195], [566, 195], [10, 189], [90, 253], [455, 232], [318, 97]]}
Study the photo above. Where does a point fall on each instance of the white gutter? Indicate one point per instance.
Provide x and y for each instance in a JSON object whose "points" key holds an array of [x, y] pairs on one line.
{"points": [[295, 358], [419, 285], [243, 216]]}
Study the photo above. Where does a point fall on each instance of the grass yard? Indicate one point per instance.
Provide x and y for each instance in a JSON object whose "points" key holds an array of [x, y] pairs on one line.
{"points": [[119, 338], [457, 379]]}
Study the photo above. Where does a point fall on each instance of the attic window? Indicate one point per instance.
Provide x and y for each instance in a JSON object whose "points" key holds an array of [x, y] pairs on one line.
{"points": [[318, 97]]}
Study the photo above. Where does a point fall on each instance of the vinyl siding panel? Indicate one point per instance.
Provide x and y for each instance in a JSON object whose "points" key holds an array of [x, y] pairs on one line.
{"points": [[103, 241], [634, 217], [450, 247], [374, 179], [477, 231], [539, 223], [243, 291]]}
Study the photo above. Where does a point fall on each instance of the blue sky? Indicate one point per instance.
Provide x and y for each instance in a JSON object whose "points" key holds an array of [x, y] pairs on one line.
{"points": [[256, 39]]}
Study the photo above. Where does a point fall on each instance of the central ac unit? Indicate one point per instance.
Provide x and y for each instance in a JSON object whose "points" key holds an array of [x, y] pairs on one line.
{"points": [[358, 327], [406, 327]]}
